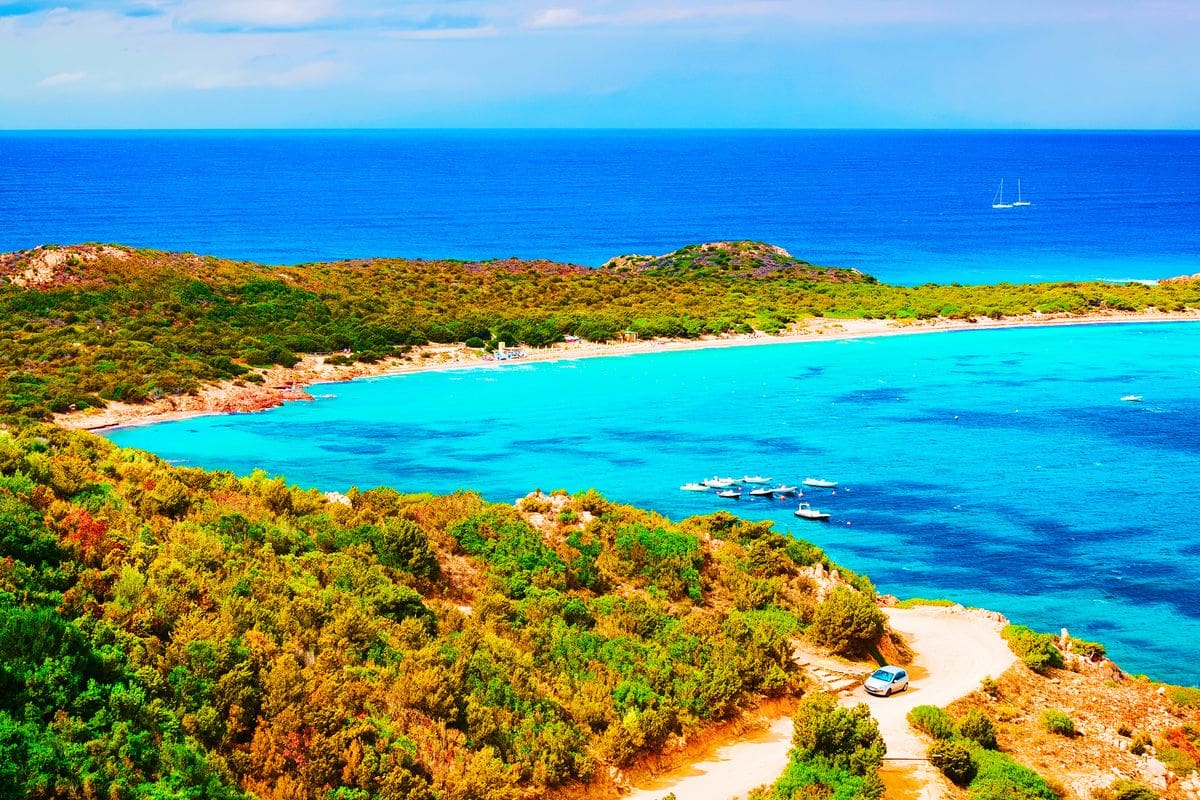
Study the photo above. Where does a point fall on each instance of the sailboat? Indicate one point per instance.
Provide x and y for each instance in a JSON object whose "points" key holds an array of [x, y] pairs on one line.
{"points": [[1019, 201], [998, 197]]}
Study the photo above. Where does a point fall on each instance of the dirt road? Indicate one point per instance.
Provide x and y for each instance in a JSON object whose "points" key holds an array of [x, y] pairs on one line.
{"points": [[955, 650]]}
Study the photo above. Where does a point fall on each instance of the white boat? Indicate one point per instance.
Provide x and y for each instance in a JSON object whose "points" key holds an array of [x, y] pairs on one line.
{"points": [[761, 491], [694, 487], [805, 511], [730, 494], [783, 488], [718, 483], [819, 483], [998, 197], [1132, 398], [1019, 201], [755, 479]]}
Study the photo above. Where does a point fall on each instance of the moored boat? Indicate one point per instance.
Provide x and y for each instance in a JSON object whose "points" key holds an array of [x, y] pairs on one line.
{"points": [[783, 489], [805, 511], [694, 487], [819, 483], [761, 491], [755, 479], [1132, 398], [718, 483], [730, 494]]}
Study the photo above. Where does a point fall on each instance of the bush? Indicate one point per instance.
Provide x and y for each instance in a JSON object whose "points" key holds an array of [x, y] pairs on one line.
{"points": [[475, 343], [998, 777], [847, 622], [979, 728], [1139, 744], [953, 760], [1037, 650], [1184, 696], [989, 686], [1057, 722], [1090, 650], [933, 721], [842, 738], [1126, 790]]}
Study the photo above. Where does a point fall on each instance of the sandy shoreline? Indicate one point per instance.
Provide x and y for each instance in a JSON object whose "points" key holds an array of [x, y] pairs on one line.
{"points": [[283, 385]]}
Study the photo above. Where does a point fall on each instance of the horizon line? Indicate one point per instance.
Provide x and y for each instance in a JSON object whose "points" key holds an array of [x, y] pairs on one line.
{"points": [[592, 129]]}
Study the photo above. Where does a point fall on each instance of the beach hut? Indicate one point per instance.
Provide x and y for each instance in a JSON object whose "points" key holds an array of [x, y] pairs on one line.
{"points": [[629, 335]]}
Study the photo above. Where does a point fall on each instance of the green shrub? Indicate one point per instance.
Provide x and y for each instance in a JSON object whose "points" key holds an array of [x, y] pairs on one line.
{"points": [[802, 780], [998, 777], [1185, 696], [841, 738], [847, 622], [1176, 760], [1127, 790], [989, 686], [933, 721], [915, 602], [475, 343], [1058, 722], [1140, 743], [1092, 650], [1037, 650], [979, 728], [953, 760]]}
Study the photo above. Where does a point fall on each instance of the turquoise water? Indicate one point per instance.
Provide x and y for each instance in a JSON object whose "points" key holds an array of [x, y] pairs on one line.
{"points": [[999, 468]]}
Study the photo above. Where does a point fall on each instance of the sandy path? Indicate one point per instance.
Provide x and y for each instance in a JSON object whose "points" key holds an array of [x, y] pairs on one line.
{"points": [[731, 771], [955, 650]]}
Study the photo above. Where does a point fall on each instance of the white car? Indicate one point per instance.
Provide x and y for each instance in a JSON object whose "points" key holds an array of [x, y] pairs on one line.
{"points": [[886, 680]]}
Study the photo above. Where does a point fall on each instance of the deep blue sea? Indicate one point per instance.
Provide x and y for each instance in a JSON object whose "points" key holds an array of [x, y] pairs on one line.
{"points": [[908, 207], [998, 468]]}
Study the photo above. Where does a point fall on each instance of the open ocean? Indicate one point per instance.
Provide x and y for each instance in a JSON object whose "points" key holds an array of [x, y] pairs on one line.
{"points": [[908, 207], [997, 468]]}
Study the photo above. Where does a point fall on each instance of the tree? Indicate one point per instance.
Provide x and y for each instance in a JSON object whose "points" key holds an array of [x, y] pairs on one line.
{"points": [[847, 622]]}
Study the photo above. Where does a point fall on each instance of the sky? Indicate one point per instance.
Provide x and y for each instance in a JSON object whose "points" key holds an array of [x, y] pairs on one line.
{"points": [[609, 63]]}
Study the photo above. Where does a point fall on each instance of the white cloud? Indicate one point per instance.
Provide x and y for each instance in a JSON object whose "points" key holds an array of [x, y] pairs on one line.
{"points": [[478, 32], [561, 18], [254, 14], [310, 74], [61, 79]]}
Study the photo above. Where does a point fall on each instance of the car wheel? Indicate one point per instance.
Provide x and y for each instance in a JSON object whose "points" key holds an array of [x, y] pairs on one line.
{"points": [[905, 689], [888, 692]]}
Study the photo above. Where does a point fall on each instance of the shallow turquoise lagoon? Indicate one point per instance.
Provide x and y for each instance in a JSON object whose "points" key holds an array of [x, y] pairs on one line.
{"points": [[999, 468]]}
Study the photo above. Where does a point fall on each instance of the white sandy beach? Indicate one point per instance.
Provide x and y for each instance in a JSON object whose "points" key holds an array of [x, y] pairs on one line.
{"points": [[284, 384]]}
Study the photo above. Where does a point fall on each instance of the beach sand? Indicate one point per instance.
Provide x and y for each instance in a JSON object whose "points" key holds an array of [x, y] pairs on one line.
{"points": [[282, 384]]}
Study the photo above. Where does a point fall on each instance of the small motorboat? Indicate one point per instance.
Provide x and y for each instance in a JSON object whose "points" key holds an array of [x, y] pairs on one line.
{"points": [[1132, 398], [805, 511], [718, 483], [761, 491], [819, 483], [694, 487], [757, 480], [783, 489], [730, 494]]}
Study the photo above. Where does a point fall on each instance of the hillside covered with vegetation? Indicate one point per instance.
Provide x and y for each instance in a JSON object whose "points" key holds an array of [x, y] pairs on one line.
{"points": [[177, 633], [83, 325]]}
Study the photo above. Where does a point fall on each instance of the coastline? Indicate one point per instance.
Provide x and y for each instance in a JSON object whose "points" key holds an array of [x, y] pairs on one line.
{"points": [[283, 384]]}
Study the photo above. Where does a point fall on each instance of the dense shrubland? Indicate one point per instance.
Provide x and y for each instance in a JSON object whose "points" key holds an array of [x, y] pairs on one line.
{"points": [[169, 632], [83, 325]]}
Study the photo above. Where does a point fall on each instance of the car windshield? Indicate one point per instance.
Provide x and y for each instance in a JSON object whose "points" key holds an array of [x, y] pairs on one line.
{"points": [[883, 675]]}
